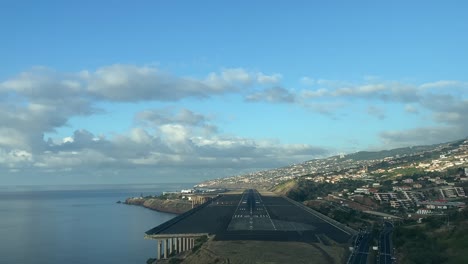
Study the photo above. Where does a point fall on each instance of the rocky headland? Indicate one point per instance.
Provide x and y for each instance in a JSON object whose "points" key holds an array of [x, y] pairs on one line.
{"points": [[173, 206]]}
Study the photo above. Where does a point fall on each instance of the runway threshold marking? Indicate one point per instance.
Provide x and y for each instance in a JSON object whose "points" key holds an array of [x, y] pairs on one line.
{"points": [[237, 213], [266, 210], [240, 202]]}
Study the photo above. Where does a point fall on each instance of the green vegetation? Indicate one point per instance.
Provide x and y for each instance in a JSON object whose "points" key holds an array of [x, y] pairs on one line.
{"points": [[166, 196], [412, 172], [199, 241], [434, 241], [350, 217], [241, 251], [285, 187], [309, 190], [346, 217], [175, 261], [408, 171], [151, 261]]}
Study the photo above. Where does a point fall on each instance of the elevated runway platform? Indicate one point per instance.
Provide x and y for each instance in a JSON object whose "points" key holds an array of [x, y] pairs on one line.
{"points": [[253, 216]]}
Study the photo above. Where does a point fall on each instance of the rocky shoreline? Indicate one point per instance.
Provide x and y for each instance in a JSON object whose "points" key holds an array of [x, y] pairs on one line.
{"points": [[173, 206]]}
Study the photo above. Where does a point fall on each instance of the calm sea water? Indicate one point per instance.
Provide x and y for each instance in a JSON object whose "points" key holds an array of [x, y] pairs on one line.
{"points": [[77, 224]]}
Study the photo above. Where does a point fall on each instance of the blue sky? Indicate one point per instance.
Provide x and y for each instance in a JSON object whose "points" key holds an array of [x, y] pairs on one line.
{"points": [[158, 91]]}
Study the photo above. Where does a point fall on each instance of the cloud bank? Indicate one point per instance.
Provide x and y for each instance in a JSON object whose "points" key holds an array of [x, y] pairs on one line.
{"points": [[445, 101], [178, 140], [42, 100]]}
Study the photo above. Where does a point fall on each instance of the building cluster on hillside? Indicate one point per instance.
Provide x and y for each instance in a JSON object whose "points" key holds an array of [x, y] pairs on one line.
{"points": [[392, 185], [426, 192], [422, 195], [317, 170]]}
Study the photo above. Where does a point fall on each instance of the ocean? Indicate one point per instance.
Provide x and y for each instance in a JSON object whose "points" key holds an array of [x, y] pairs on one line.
{"points": [[77, 224]]}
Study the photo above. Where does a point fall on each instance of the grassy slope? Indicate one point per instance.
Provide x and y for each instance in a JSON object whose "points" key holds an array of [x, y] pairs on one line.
{"points": [[434, 242], [170, 206], [246, 252], [285, 187]]}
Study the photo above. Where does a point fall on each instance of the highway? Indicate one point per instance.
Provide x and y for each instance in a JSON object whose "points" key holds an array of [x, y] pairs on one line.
{"points": [[253, 216], [361, 250], [385, 244]]}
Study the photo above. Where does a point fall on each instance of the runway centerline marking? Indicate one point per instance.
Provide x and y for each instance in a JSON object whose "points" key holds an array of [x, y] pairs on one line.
{"points": [[266, 210]]}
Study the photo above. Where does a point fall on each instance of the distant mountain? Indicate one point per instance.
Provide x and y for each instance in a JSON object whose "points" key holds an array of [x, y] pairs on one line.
{"points": [[373, 155]]}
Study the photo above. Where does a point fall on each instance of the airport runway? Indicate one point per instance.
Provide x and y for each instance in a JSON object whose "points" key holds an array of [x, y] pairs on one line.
{"points": [[252, 216]]}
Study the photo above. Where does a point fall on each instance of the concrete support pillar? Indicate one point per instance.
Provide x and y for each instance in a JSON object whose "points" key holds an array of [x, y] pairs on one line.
{"points": [[180, 244], [184, 242], [170, 245], [175, 245], [165, 248], [158, 256]]}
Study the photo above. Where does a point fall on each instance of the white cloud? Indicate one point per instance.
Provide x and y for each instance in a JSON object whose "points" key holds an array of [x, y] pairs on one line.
{"points": [[89, 158], [272, 95], [177, 142], [139, 135], [236, 75], [15, 159], [420, 136], [129, 83], [269, 79], [314, 93], [11, 138], [363, 90], [174, 133], [451, 121], [449, 117], [443, 84], [68, 140], [165, 116], [42, 100], [327, 108], [448, 104], [411, 109], [307, 81]]}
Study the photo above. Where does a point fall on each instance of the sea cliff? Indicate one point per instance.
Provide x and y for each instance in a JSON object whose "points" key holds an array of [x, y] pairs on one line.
{"points": [[174, 206]]}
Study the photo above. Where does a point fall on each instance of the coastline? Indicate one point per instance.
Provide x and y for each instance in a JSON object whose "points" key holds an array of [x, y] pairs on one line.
{"points": [[172, 206]]}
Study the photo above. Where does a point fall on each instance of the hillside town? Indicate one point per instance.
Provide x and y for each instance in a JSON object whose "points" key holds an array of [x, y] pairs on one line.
{"points": [[426, 181]]}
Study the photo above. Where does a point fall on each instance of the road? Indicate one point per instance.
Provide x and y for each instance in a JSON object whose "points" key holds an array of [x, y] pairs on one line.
{"points": [[361, 250], [385, 244]]}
